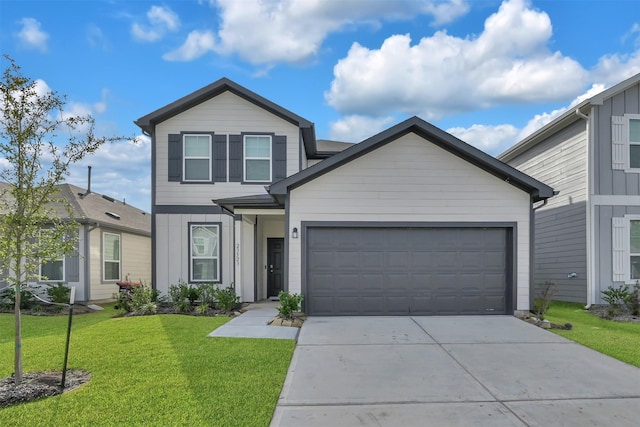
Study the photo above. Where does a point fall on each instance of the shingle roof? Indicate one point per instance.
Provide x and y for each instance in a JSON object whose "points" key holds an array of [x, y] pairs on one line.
{"points": [[104, 210]]}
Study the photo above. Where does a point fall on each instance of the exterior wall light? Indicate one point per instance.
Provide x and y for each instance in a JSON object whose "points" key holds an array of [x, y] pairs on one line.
{"points": [[294, 233]]}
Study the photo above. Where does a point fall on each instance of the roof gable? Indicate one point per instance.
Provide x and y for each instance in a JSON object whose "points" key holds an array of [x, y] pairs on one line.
{"points": [[147, 123], [567, 118], [431, 134]]}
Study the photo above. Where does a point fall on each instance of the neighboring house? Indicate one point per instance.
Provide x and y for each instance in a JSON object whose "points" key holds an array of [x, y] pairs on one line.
{"points": [[588, 237], [410, 221], [114, 243]]}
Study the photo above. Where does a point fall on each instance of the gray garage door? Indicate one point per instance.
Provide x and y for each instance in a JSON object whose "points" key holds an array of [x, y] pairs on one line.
{"points": [[407, 271]]}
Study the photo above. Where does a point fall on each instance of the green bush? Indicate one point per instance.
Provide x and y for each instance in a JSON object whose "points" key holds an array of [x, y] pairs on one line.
{"points": [[140, 299], [27, 299], [289, 303], [226, 298], [616, 296], [207, 293], [179, 292], [633, 301], [59, 293]]}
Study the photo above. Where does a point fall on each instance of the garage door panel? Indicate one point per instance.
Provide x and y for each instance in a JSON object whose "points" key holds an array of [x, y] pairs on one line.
{"points": [[397, 259], [402, 271]]}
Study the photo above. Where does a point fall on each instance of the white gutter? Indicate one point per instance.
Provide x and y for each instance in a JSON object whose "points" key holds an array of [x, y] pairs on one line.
{"points": [[591, 250]]}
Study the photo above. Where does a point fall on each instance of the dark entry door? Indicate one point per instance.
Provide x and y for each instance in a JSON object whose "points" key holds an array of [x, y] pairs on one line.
{"points": [[275, 266]]}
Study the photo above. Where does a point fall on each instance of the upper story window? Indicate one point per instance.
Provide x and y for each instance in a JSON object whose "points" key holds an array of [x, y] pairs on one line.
{"points": [[634, 142], [257, 158], [625, 139], [197, 157]]}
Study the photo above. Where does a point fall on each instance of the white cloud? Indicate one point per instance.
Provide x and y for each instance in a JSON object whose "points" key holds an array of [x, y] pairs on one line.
{"points": [[197, 44], [161, 19], [293, 31], [490, 139], [509, 62], [96, 37], [120, 170], [31, 35], [357, 128]]}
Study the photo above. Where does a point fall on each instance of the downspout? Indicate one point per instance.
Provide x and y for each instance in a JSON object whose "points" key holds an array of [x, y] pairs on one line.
{"points": [[590, 214], [88, 228]]}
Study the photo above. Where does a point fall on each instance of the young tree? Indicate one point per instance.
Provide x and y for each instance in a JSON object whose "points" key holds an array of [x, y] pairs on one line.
{"points": [[38, 142]]}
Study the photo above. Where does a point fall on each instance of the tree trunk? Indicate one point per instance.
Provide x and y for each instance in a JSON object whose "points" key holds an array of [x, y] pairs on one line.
{"points": [[18, 357]]}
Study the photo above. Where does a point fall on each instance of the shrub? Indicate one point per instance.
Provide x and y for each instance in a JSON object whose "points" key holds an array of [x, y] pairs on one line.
{"points": [[616, 297], [633, 301], [179, 292], [203, 308], [541, 304], [207, 293], [140, 299], [26, 298], [289, 303], [183, 306], [226, 298], [59, 293]]}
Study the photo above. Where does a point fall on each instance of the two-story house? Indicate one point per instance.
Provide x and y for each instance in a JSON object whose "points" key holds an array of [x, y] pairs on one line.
{"points": [[588, 236], [409, 221]]}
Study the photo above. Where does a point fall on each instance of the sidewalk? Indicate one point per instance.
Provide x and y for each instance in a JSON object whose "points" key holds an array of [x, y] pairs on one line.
{"points": [[253, 324]]}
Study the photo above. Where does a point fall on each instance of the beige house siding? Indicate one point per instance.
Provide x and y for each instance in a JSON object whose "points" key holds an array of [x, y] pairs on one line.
{"points": [[411, 180], [136, 258], [225, 114]]}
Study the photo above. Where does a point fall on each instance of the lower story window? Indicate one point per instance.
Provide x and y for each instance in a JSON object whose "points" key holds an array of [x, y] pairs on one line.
{"points": [[52, 271], [204, 252], [111, 256], [634, 249]]}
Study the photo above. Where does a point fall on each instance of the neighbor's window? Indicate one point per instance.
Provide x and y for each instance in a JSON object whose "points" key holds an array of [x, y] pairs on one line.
{"points": [[197, 157], [257, 158], [634, 143], [111, 256], [204, 250], [52, 270]]}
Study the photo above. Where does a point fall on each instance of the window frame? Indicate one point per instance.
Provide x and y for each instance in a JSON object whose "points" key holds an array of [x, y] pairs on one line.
{"points": [[245, 157], [41, 262], [218, 270], [185, 158], [628, 118], [104, 259]]}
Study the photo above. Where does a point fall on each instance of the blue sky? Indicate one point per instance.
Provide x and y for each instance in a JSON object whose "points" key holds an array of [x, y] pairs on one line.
{"points": [[489, 72]]}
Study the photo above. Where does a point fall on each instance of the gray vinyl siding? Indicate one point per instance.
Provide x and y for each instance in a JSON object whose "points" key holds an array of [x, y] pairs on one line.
{"points": [[72, 266], [607, 180], [604, 249], [561, 225]]}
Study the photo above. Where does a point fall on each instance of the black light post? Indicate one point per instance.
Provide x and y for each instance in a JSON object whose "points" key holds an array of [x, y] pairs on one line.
{"points": [[72, 297]]}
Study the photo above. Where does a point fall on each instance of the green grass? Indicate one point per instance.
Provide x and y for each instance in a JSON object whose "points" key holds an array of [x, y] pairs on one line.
{"points": [[152, 370], [616, 339]]}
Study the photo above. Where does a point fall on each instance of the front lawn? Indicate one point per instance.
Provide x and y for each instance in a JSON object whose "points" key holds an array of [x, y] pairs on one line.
{"points": [[151, 370], [616, 339]]}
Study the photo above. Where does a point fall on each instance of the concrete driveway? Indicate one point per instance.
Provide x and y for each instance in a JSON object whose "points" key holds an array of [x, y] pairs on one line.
{"points": [[451, 371]]}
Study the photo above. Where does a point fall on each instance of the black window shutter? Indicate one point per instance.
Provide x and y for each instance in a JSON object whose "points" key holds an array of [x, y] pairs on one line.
{"points": [[175, 157], [219, 158], [72, 265], [235, 158], [279, 157]]}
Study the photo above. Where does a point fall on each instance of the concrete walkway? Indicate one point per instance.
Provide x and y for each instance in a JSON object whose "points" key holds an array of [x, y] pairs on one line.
{"points": [[451, 371], [253, 324]]}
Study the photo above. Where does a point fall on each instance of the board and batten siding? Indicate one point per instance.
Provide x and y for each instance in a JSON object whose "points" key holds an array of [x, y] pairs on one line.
{"points": [[411, 180], [225, 114], [561, 225], [172, 247], [607, 180]]}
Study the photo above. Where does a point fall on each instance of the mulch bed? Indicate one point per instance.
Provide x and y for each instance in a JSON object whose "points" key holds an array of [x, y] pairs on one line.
{"points": [[38, 385]]}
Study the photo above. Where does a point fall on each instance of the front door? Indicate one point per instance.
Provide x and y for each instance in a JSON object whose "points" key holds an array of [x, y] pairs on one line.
{"points": [[275, 266]]}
